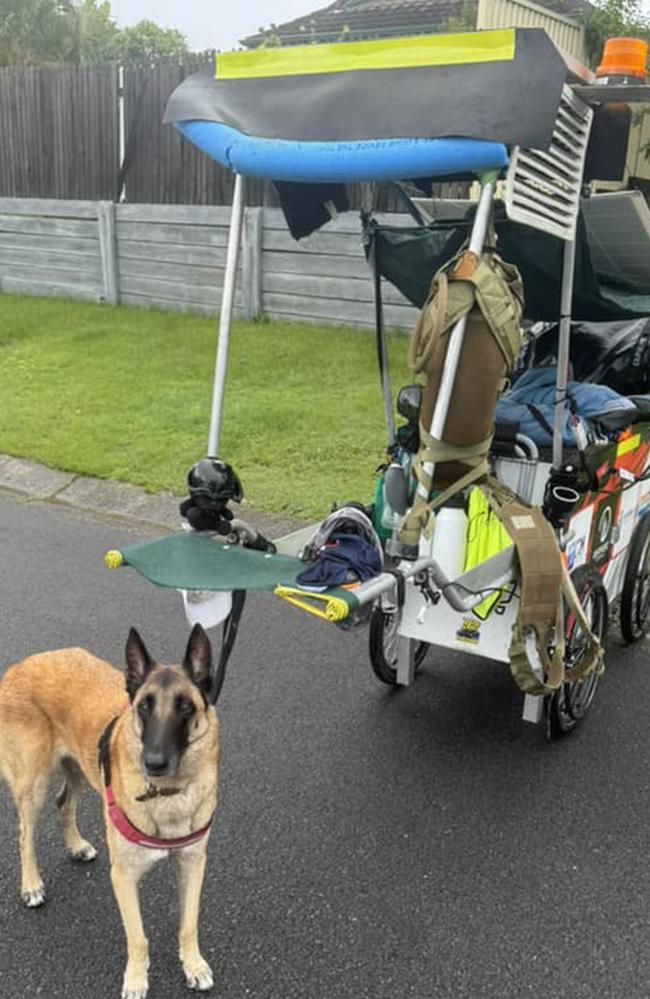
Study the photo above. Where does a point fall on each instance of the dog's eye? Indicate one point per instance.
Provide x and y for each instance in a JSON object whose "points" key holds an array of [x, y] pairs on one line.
{"points": [[145, 706], [185, 707]]}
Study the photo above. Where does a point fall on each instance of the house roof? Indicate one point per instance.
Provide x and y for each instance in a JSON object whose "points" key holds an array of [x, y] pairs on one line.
{"points": [[374, 18]]}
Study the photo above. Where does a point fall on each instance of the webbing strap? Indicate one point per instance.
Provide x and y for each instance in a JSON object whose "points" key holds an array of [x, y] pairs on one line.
{"points": [[540, 622], [419, 518]]}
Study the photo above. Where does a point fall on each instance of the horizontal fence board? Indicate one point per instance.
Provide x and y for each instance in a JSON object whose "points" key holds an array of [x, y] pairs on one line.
{"points": [[294, 320], [329, 311], [59, 275], [347, 222], [183, 273], [343, 244], [49, 207], [48, 227], [209, 215], [276, 262], [202, 256], [343, 289], [167, 305], [66, 244], [152, 232], [174, 291], [47, 289], [44, 260]]}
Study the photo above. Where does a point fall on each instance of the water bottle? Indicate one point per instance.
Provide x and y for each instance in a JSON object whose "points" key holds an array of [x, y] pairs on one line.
{"points": [[447, 546]]}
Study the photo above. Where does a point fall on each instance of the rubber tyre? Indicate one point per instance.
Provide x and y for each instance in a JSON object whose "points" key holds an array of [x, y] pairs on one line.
{"points": [[635, 598], [568, 705], [381, 645]]}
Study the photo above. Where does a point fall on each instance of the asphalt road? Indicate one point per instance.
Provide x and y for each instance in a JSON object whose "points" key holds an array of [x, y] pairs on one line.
{"points": [[425, 843]]}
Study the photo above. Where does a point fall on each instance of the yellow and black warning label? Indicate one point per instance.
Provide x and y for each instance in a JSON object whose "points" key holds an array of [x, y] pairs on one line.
{"points": [[470, 633]]}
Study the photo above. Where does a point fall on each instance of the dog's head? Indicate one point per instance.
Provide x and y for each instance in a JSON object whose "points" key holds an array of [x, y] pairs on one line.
{"points": [[170, 703]]}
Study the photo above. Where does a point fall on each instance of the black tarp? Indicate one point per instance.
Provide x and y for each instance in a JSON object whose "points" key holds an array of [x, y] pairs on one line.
{"points": [[513, 101]]}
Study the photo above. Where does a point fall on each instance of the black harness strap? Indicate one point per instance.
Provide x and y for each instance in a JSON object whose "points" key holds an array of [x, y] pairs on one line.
{"points": [[103, 751], [540, 418], [230, 628]]}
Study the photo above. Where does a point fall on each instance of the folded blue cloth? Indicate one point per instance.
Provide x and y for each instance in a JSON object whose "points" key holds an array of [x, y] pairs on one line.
{"points": [[537, 388], [344, 558]]}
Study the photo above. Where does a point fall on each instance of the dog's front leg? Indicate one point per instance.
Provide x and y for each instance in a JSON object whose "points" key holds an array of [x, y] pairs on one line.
{"points": [[125, 885], [190, 868]]}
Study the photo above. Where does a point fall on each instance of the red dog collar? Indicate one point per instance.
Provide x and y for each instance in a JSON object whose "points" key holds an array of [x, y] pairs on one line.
{"points": [[119, 819], [134, 835]]}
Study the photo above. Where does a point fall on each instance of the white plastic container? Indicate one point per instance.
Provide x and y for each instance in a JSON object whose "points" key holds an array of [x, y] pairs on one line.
{"points": [[447, 546]]}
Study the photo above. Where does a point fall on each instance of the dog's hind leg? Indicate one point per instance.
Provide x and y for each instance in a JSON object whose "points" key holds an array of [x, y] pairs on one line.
{"points": [[66, 802], [29, 796]]}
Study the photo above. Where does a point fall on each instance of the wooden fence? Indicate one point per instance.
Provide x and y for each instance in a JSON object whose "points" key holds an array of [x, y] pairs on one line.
{"points": [[173, 257], [60, 138]]}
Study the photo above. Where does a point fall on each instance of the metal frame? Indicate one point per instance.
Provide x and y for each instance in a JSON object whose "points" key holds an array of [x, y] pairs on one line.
{"points": [[564, 339], [225, 319], [382, 351]]}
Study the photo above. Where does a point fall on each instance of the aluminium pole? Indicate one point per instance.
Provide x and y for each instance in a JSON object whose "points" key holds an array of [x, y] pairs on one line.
{"points": [[225, 320], [564, 339]]}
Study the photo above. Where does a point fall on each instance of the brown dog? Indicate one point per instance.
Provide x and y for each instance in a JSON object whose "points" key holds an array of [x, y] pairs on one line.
{"points": [[159, 751]]}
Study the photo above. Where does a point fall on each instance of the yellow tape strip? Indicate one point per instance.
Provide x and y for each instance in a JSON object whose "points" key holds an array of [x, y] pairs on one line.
{"points": [[344, 57], [335, 608], [630, 444]]}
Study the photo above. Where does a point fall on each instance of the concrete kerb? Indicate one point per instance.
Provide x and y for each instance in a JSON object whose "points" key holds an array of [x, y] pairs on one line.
{"points": [[115, 499]]}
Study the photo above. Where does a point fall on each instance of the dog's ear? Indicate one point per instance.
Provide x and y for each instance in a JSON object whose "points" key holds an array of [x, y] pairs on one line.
{"points": [[138, 663], [198, 659]]}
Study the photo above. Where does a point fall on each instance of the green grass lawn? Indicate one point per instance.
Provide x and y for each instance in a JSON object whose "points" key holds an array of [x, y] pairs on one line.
{"points": [[125, 394]]}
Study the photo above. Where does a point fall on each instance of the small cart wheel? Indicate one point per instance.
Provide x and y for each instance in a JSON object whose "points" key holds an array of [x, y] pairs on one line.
{"points": [[568, 705], [383, 639], [635, 598]]}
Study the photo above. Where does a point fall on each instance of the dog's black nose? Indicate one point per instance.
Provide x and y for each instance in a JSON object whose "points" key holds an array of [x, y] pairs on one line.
{"points": [[156, 763]]}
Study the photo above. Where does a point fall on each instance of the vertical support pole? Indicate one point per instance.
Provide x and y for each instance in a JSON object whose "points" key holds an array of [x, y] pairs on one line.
{"points": [[225, 320], [457, 335], [382, 350], [108, 252], [121, 110], [252, 262], [405, 661], [564, 339]]}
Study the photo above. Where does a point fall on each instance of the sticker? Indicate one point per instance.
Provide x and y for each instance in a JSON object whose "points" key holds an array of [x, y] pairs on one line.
{"points": [[525, 523], [470, 633], [575, 554], [631, 444], [602, 530]]}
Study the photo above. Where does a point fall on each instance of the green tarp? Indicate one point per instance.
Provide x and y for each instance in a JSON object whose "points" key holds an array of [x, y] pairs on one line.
{"points": [[189, 561], [409, 257]]}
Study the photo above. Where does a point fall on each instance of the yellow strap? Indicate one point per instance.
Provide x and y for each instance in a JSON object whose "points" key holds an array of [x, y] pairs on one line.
{"points": [[336, 609], [391, 53]]}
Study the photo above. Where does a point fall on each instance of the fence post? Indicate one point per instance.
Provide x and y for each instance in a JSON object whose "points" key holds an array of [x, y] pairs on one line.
{"points": [[252, 262], [108, 251]]}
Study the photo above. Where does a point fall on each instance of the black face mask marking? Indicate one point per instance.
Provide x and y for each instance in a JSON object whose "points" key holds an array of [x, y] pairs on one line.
{"points": [[166, 716]]}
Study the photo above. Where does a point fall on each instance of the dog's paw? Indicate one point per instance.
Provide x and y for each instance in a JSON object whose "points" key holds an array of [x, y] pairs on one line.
{"points": [[33, 897], [198, 975], [135, 990], [85, 852]]}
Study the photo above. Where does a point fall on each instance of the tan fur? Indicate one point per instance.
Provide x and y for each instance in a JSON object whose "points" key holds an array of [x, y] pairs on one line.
{"points": [[53, 710]]}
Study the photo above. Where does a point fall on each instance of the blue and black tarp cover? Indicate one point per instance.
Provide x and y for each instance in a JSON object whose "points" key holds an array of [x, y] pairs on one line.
{"points": [[394, 109]]}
